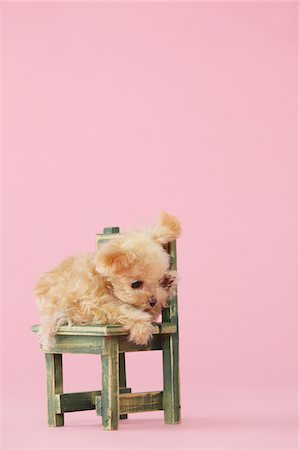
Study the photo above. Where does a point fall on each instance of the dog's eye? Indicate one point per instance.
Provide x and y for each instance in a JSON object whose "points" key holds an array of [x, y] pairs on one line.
{"points": [[137, 284]]}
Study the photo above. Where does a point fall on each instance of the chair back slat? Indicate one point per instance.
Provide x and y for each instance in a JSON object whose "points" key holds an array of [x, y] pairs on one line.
{"points": [[108, 233], [170, 314]]}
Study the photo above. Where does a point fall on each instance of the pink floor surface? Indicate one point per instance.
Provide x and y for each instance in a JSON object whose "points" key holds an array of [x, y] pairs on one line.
{"points": [[233, 419]]}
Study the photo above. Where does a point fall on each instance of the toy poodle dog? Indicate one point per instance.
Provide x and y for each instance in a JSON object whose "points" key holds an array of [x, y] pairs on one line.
{"points": [[126, 281]]}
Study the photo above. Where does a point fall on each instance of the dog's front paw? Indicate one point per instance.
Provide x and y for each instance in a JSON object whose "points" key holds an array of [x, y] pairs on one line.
{"points": [[141, 333]]}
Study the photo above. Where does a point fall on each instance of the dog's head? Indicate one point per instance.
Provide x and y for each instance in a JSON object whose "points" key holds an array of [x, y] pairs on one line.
{"points": [[136, 265]]}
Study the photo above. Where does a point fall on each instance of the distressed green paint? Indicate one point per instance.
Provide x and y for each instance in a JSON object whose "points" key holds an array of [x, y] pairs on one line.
{"points": [[98, 400], [170, 346], [110, 384], [76, 401], [98, 405], [92, 330], [111, 230], [79, 401], [78, 344], [54, 386], [108, 233], [112, 377], [105, 330], [122, 377], [141, 402], [171, 379], [127, 346]]}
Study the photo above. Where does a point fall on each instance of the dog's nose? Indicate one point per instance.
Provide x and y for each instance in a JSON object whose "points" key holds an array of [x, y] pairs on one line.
{"points": [[152, 301]]}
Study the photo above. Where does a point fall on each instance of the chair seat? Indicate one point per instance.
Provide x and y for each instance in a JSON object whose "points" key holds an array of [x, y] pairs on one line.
{"points": [[106, 330]]}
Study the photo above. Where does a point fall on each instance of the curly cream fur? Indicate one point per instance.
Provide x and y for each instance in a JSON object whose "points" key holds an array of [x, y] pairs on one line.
{"points": [[95, 288]]}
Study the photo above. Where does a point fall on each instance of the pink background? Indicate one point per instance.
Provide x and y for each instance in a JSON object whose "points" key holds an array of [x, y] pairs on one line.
{"points": [[113, 112]]}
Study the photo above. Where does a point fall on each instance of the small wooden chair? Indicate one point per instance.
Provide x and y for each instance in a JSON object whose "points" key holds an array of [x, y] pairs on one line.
{"points": [[115, 400]]}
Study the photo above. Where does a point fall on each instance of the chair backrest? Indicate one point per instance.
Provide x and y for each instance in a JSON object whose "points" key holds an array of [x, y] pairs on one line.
{"points": [[170, 313]]}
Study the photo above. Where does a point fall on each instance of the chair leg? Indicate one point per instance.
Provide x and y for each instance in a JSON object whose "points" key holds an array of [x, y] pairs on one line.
{"points": [[110, 384], [54, 386], [171, 397], [122, 377]]}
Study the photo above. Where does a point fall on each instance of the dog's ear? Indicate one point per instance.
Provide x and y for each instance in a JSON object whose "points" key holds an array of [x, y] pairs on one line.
{"points": [[169, 282], [167, 229], [110, 258]]}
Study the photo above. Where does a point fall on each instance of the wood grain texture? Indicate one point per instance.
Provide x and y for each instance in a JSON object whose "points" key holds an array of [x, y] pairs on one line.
{"points": [[78, 344], [105, 330], [76, 401], [122, 377], [171, 379], [54, 386], [110, 384], [127, 346], [79, 401], [141, 402], [170, 346]]}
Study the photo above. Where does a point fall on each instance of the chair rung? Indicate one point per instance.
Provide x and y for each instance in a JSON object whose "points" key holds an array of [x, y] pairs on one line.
{"points": [[79, 401], [136, 402], [141, 401]]}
